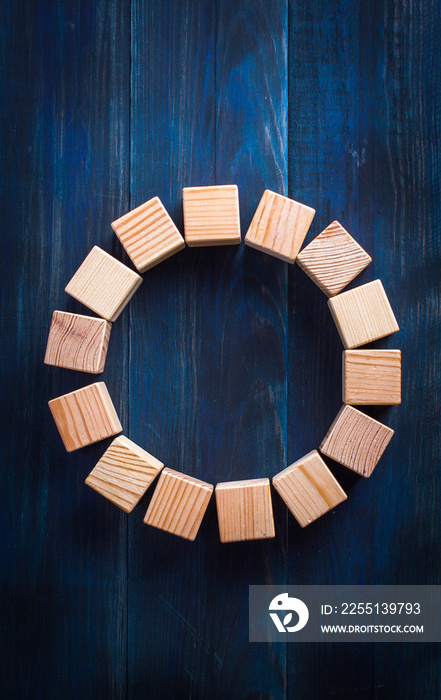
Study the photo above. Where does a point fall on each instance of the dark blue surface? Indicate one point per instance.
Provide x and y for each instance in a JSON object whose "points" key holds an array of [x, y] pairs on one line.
{"points": [[226, 364]]}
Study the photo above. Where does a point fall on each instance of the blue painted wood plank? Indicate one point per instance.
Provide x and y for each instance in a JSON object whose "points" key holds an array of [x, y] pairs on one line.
{"points": [[226, 364], [172, 139], [403, 114], [326, 148], [251, 150], [324, 91], [214, 334], [65, 82], [406, 219]]}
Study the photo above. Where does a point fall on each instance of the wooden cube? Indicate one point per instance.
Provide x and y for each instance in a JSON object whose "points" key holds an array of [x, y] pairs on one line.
{"points": [[279, 226], [244, 510], [148, 234], [211, 215], [124, 473], [178, 504], [371, 377], [85, 416], [363, 314], [356, 440], [308, 488], [103, 284], [333, 259], [77, 342]]}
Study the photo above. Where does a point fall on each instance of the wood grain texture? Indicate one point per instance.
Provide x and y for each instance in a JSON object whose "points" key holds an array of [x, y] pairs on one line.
{"points": [[174, 46], [104, 106], [176, 50], [216, 92], [64, 178], [85, 416], [148, 234], [326, 144], [178, 504], [244, 510], [211, 215], [363, 314], [400, 167], [279, 226], [103, 284], [251, 110], [309, 488], [77, 342], [124, 473], [371, 377], [369, 162], [356, 440], [333, 259]]}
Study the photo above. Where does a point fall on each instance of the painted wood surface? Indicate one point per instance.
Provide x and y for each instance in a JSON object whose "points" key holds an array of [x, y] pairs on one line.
{"points": [[226, 364]]}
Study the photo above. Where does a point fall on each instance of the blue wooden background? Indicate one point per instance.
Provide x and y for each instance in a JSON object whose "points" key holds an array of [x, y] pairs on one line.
{"points": [[226, 363]]}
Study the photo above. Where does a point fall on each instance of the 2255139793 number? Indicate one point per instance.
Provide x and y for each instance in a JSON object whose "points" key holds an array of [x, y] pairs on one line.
{"points": [[380, 608]]}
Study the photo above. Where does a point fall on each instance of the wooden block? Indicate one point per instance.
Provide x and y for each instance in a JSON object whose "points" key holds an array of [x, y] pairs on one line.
{"points": [[77, 342], [333, 259], [103, 284], [211, 215], [356, 440], [308, 488], [371, 377], [85, 416], [178, 504], [244, 510], [148, 234], [124, 473], [363, 314], [279, 226]]}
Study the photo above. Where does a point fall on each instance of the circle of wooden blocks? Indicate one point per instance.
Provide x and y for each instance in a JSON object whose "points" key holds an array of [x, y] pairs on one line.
{"points": [[124, 473], [244, 510], [356, 440], [85, 416], [363, 314], [309, 488], [211, 215], [371, 377], [103, 284], [333, 259], [77, 342], [178, 504], [279, 226], [148, 234]]}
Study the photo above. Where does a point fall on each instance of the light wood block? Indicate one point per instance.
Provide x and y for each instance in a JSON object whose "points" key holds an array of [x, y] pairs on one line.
{"points": [[211, 215], [279, 226], [356, 440], [148, 234], [363, 314], [244, 510], [77, 342], [308, 488], [103, 284], [85, 416], [124, 473], [371, 377], [333, 259], [178, 504]]}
